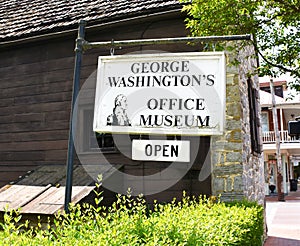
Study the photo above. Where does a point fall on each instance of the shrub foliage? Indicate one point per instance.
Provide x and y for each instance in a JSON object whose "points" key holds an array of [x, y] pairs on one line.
{"points": [[129, 221]]}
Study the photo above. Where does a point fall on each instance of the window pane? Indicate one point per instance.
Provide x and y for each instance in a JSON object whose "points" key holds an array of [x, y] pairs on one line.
{"points": [[264, 122]]}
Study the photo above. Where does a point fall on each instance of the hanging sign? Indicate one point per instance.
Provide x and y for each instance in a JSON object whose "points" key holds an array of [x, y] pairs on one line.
{"points": [[166, 93], [161, 150]]}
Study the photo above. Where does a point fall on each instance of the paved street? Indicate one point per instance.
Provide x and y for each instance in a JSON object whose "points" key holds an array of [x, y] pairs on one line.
{"points": [[283, 220]]}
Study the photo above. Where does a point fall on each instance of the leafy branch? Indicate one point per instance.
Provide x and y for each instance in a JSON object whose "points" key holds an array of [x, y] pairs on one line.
{"points": [[274, 24]]}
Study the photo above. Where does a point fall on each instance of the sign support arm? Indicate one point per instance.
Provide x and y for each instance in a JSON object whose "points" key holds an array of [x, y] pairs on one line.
{"points": [[159, 41]]}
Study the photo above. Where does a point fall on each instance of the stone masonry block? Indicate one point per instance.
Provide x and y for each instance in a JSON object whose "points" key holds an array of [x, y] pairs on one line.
{"points": [[238, 183], [233, 109], [228, 146], [218, 184], [228, 170], [234, 157], [234, 136], [233, 125]]}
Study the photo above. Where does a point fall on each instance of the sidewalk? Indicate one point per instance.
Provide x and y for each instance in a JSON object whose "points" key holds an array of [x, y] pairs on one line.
{"points": [[283, 220]]}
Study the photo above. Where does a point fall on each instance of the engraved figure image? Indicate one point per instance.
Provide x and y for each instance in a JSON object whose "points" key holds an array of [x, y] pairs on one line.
{"points": [[119, 116]]}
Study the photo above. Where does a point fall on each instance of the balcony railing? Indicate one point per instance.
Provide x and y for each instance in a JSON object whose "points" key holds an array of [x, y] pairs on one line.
{"points": [[269, 137]]}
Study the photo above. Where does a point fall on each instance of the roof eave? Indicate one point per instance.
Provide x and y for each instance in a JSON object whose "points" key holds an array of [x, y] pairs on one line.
{"points": [[95, 25]]}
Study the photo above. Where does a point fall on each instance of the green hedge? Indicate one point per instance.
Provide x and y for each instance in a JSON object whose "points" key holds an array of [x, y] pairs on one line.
{"points": [[129, 222]]}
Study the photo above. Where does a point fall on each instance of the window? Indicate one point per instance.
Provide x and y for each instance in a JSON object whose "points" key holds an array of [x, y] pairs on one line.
{"points": [[265, 121], [254, 118], [92, 140], [105, 141], [278, 90]]}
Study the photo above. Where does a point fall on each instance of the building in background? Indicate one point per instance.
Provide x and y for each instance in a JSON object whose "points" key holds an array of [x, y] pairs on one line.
{"points": [[288, 108]]}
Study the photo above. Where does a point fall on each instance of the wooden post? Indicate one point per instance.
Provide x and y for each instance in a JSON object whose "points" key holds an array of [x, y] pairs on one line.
{"points": [[277, 140]]}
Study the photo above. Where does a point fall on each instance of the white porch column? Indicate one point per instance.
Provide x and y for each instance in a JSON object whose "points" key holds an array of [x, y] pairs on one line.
{"points": [[281, 126], [291, 169], [284, 171]]}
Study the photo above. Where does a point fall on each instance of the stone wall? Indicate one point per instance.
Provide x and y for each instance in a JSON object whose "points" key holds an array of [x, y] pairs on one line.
{"points": [[237, 173]]}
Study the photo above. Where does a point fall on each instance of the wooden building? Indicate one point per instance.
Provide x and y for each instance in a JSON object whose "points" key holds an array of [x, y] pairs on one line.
{"points": [[37, 49], [37, 43]]}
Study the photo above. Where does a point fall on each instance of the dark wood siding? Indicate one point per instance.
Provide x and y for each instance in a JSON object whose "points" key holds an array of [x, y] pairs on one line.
{"points": [[36, 83], [189, 183]]}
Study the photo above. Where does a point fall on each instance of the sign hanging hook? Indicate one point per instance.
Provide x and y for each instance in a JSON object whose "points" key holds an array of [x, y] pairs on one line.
{"points": [[214, 46], [112, 49]]}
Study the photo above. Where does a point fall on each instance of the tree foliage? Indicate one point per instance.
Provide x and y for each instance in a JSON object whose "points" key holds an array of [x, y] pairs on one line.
{"points": [[274, 25]]}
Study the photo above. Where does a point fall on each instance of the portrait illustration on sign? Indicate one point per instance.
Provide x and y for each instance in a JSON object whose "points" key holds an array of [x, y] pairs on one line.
{"points": [[119, 117]]}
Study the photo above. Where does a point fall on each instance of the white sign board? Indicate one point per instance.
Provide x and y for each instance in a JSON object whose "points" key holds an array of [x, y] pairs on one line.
{"points": [[166, 93], [161, 150]]}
